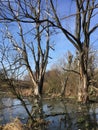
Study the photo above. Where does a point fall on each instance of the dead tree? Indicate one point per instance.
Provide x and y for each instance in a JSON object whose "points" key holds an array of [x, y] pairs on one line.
{"points": [[64, 83], [23, 14], [85, 12]]}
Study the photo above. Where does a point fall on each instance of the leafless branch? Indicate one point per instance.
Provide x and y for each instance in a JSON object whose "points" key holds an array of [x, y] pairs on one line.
{"points": [[71, 71]]}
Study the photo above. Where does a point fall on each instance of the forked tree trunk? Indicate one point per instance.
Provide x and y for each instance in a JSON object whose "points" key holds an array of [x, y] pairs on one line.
{"points": [[37, 102], [39, 88]]}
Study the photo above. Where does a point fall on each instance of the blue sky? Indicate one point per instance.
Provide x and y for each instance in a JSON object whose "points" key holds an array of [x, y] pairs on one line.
{"points": [[62, 44]]}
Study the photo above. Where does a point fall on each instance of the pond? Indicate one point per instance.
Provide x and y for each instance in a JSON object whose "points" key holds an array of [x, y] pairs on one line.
{"points": [[62, 115], [12, 108]]}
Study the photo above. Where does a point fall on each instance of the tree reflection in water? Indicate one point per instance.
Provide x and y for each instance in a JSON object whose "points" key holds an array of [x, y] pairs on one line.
{"points": [[61, 115], [75, 117]]}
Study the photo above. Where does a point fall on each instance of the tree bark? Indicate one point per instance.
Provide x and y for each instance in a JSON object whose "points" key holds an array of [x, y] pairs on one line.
{"points": [[83, 82], [39, 87], [83, 90], [64, 84]]}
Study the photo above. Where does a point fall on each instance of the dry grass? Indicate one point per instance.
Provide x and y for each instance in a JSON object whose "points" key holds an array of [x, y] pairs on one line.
{"points": [[15, 125], [26, 92], [1, 127]]}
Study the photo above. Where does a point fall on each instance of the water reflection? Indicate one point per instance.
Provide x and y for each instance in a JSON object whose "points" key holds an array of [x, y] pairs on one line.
{"points": [[62, 115], [12, 108], [75, 117]]}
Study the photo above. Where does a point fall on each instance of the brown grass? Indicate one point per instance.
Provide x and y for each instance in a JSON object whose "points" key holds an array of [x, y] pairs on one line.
{"points": [[26, 92], [15, 125]]}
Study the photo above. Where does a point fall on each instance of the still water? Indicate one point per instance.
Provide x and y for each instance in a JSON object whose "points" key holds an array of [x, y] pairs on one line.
{"points": [[62, 115]]}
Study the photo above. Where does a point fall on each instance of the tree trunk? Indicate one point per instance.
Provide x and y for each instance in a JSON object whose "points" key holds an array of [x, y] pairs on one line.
{"points": [[83, 89], [64, 84], [37, 105], [83, 83], [39, 87], [38, 90], [37, 113]]}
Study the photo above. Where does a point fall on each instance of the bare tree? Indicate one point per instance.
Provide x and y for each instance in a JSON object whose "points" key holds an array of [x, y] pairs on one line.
{"points": [[85, 12], [24, 13], [12, 72], [21, 11], [68, 69], [31, 12], [25, 47]]}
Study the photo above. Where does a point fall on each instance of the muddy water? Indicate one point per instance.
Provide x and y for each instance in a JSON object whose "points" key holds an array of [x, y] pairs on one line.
{"points": [[62, 115]]}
